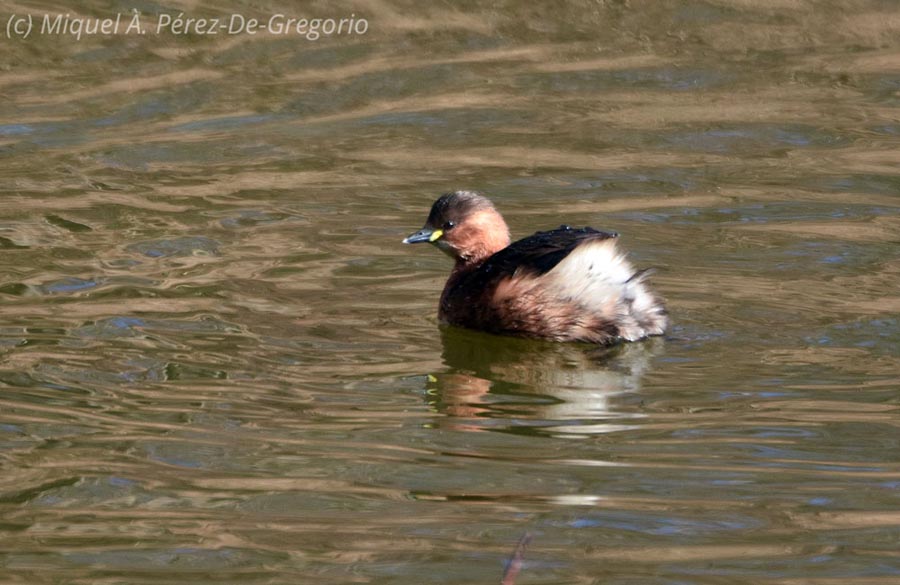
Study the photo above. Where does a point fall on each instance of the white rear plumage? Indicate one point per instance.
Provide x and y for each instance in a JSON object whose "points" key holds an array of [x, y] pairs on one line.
{"points": [[597, 276]]}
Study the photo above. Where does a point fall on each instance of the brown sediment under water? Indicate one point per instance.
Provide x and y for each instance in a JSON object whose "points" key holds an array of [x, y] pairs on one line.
{"points": [[218, 364]]}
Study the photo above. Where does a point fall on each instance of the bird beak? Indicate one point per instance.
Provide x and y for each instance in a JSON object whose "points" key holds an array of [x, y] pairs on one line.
{"points": [[425, 234]]}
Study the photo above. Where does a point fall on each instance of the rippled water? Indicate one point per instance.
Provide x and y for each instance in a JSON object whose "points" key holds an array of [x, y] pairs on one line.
{"points": [[220, 365]]}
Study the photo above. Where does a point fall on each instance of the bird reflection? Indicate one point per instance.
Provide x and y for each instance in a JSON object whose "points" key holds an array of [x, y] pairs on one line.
{"points": [[503, 383]]}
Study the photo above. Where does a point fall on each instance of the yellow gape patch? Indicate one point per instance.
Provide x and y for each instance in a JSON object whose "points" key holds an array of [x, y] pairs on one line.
{"points": [[435, 235]]}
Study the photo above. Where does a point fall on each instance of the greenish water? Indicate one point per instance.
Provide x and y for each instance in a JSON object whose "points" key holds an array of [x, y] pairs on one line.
{"points": [[219, 364]]}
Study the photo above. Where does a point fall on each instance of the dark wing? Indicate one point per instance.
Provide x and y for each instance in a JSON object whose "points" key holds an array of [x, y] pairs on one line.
{"points": [[535, 255], [539, 253], [470, 300]]}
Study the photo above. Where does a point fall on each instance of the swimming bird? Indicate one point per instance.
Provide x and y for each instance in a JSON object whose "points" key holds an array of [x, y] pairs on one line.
{"points": [[566, 284]]}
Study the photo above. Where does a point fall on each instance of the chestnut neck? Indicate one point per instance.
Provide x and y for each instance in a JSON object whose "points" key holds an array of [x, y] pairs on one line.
{"points": [[483, 235]]}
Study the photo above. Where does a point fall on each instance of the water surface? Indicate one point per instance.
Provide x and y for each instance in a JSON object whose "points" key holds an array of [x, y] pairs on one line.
{"points": [[220, 365]]}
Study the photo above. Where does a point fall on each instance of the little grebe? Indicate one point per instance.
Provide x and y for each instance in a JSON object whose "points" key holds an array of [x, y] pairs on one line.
{"points": [[564, 284]]}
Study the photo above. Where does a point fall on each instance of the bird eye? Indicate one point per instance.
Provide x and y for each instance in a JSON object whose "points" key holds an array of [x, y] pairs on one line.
{"points": [[449, 225]]}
